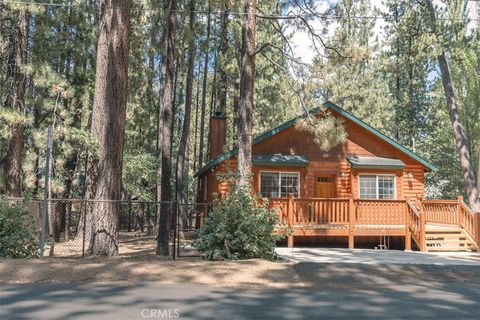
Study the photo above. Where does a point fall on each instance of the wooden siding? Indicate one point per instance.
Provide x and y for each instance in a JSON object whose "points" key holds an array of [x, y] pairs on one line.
{"points": [[360, 142]]}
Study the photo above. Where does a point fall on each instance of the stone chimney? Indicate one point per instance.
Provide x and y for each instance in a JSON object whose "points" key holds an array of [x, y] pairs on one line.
{"points": [[218, 134]]}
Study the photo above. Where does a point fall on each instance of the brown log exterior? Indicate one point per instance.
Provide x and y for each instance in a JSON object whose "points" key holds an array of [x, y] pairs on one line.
{"points": [[345, 212], [360, 143]]}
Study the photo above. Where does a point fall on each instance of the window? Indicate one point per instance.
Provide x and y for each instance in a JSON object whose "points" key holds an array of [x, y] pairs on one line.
{"points": [[368, 187], [386, 187], [279, 184], [377, 187]]}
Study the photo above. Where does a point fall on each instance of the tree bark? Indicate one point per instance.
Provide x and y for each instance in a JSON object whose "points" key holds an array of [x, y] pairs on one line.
{"points": [[13, 162], [223, 83], [244, 135], [201, 152], [168, 71], [197, 95], [108, 124], [461, 140], [183, 149]]}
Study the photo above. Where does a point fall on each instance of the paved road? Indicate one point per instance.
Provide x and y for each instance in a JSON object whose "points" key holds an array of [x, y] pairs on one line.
{"points": [[454, 300], [378, 257]]}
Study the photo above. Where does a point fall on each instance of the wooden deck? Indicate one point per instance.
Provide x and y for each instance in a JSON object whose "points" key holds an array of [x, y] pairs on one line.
{"points": [[429, 223]]}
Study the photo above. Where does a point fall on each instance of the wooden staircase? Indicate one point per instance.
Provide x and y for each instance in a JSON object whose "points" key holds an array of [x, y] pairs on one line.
{"points": [[440, 238]]}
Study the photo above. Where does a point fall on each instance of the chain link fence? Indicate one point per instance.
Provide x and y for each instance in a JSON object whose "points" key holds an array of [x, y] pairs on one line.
{"points": [[68, 220], [189, 218]]}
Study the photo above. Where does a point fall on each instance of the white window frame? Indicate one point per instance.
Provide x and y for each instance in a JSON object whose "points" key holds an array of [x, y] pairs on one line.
{"points": [[279, 180], [376, 184]]}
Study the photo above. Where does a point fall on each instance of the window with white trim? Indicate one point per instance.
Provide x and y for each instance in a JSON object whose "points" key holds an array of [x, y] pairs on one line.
{"points": [[279, 184], [377, 186]]}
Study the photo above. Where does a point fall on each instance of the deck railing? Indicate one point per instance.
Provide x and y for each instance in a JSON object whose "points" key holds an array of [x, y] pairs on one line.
{"points": [[469, 221], [320, 211], [441, 211], [354, 214], [282, 205], [415, 226], [380, 212]]}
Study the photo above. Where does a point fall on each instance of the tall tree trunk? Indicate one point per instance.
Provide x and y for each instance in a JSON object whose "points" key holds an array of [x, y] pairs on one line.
{"points": [[197, 96], [223, 83], [201, 152], [108, 124], [461, 140], [13, 163], [247, 73], [168, 72], [183, 149]]}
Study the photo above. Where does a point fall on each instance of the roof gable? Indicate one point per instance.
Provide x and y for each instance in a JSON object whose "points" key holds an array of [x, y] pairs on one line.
{"points": [[292, 122]]}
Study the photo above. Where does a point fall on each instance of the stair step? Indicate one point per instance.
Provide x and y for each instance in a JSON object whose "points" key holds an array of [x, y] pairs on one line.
{"points": [[453, 230], [440, 249], [445, 235], [449, 237], [449, 245], [449, 241]]}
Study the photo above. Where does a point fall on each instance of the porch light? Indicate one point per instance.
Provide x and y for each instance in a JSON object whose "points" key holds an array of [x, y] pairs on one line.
{"points": [[343, 176], [410, 176]]}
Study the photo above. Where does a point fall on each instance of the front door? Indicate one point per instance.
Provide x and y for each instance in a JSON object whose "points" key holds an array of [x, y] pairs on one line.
{"points": [[324, 187]]}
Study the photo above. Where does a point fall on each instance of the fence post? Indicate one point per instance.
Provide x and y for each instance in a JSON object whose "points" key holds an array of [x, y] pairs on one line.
{"points": [[175, 226], [85, 211], [149, 220], [459, 210], [423, 246], [351, 223], [476, 226], [46, 191], [408, 232], [129, 214], [290, 219]]}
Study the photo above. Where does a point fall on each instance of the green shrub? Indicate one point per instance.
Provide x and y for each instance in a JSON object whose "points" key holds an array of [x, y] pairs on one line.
{"points": [[240, 226], [18, 233]]}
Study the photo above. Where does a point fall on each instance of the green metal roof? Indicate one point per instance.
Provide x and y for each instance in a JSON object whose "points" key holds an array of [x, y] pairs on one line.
{"points": [[280, 160], [375, 163], [292, 122]]}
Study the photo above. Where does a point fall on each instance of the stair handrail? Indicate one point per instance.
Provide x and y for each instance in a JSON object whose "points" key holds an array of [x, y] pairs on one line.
{"points": [[469, 221], [416, 222]]}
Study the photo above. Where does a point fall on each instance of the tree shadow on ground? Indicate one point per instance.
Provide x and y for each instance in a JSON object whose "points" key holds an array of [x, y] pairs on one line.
{"points": [[332, 291]]}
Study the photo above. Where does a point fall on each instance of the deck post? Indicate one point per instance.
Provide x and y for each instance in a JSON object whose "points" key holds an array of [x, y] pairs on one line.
{"points": [[476, 226], [290, 219], [351, 223], [459, 211], [408, 232], [423, 246]]}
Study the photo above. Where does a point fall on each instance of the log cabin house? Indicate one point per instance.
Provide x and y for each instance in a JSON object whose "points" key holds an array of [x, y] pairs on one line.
{"points": [[368, 188]]}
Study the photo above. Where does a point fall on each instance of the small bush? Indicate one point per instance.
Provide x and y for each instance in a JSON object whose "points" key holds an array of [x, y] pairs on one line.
{"points": [[240, 226], [18, 233]]}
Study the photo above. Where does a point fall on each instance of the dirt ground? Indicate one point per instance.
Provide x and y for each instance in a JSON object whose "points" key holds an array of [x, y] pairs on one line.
{"points": [[254, 273], [137, 262]]}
